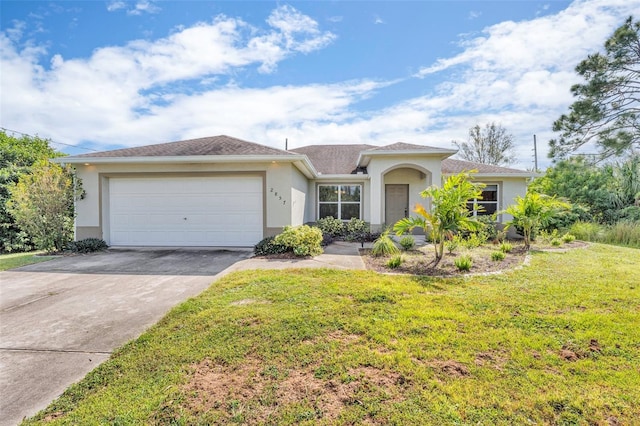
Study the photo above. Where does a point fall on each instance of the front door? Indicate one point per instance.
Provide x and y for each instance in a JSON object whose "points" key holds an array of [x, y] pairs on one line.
{"points": [[396, 201]]}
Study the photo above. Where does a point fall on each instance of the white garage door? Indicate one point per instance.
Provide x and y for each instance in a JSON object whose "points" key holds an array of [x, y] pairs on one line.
{"points": [[185, 211]]}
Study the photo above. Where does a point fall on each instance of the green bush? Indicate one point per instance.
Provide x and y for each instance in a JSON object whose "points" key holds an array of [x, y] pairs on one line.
{"points": [[269, 246], [302, 240], [452, 244], [384, 245], [489, 227], [407, 242], [556, 242], [506, 247], [331, 226], [395, 261], [463, 263], [88, 245], [357, 230], [474, 239], [567, 238], [498, 256]]}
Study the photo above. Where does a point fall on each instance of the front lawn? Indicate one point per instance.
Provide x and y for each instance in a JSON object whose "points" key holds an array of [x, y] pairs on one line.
{"points": [[556, 342], [16, 260]]}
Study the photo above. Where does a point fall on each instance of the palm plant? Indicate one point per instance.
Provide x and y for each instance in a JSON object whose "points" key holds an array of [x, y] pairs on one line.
{"points": [[449, 212], [531, 212]]}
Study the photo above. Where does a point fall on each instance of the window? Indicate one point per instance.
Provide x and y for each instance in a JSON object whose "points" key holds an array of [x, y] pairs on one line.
{"points": [[339, 201], [488, 204]]}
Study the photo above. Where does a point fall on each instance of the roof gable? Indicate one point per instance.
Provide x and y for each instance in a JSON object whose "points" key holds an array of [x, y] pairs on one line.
{"points": [[214, 145], [333, 159], [402, 146]]}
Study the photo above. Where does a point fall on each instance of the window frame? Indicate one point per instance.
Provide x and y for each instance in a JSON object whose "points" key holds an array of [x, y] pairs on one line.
{"points": [[480, 202], [339, 202]]}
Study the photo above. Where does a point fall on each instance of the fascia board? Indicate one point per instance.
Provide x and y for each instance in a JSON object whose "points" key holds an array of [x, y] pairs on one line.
{"points": [[183, 159], [500, 175], [349, 177], [365, 157]]}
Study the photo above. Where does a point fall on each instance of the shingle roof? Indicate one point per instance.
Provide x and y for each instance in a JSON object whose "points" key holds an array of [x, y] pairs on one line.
{"points": [[214, 145], [452, 166], [333, 159], [402, 146]]}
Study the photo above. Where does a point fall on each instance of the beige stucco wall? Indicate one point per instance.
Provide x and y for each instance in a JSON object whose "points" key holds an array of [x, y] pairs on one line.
{"points": [[299, 190], [92, 211], [385, 166]]}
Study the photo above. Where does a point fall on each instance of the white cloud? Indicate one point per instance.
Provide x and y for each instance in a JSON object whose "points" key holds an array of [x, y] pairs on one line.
{"points": [[144, 7], [116, 5], [133, 8], [377, 20], [121, 93], [474, 15], [514, 73]]}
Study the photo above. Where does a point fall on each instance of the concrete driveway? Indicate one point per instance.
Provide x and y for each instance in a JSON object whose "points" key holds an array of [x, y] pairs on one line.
{"points": [[60, 319]]}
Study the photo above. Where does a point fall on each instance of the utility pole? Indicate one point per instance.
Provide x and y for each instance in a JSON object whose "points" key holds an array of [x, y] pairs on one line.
{"points": [[535, 153]]}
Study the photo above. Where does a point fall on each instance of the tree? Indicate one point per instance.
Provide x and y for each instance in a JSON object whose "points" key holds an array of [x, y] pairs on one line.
{"points": [[17, 155], [42, 203], [491, 145], [531, 212], [449, 212], [607, 108], [602, 193]]}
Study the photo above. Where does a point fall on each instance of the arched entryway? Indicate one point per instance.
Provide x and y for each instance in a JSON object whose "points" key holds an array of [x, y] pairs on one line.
{"points": [[402, 185]]}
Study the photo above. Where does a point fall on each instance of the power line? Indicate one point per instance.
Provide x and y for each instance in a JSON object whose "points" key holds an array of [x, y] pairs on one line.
{"points": [[54, 142]]}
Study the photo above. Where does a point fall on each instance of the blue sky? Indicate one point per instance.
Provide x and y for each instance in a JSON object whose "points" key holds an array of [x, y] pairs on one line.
{"points": [[110, 74]]}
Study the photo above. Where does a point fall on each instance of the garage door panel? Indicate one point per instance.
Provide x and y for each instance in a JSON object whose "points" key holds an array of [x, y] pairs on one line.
{"points": [[211, 211]]}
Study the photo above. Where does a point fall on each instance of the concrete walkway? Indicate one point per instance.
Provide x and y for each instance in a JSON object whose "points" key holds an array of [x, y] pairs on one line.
{"points": [[338, 255]]}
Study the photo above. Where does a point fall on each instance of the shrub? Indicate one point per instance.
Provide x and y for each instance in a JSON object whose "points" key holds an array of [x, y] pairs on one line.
{"points": [[549, 236], [384, 245], [331, 226], [506, 247], [407, 242], [395, 261], [498, 256], [567, 238], [474, 240], [556, 242], [302, 240], [269, 246], [452, 244], [357, 230], [489, 226], [326, 240], [88, 245], [463, 263]]}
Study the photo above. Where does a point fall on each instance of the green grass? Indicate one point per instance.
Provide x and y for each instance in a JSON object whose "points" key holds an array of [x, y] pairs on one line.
{"points": [[556, 342], [16, 260], [622, 233]]}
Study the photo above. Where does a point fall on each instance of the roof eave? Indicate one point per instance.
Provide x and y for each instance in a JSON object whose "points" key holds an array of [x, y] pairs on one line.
{"points": [[365, 157], [499, 175], [344, 177], [181, 159]]}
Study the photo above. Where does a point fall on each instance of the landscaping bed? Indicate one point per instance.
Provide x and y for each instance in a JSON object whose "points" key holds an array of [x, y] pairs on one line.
{"points": [[421, 261]]}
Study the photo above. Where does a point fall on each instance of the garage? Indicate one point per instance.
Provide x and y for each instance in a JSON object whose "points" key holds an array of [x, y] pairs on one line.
{"points": [[185, 211]]}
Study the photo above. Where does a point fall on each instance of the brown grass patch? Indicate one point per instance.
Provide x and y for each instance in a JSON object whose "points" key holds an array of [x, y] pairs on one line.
{"points": [[214, 386]]}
